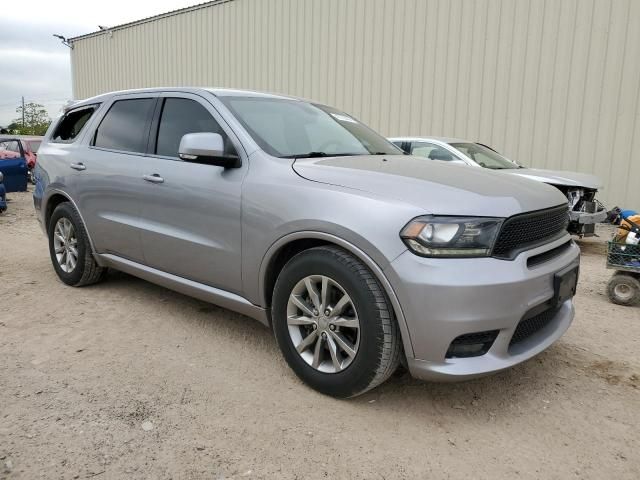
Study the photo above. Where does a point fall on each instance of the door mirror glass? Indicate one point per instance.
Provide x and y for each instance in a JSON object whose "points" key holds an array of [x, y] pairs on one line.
{"points": [[206, 148]]}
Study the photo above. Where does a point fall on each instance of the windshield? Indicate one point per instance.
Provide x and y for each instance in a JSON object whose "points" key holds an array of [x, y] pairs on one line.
{"points": [[293, 128], [484, 156]]}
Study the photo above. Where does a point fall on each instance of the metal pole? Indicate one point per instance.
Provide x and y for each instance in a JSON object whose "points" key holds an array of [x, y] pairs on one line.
{"points": [[23, 112]]}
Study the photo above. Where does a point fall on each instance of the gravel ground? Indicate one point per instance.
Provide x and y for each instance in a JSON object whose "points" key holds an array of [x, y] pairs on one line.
{"points": [[129, 380]]}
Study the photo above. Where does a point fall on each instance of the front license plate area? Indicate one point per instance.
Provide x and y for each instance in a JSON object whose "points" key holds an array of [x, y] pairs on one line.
{"points": [[564, 285]]}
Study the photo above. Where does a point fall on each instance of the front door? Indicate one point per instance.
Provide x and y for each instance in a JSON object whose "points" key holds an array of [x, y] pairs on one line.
{"points": [[190, 213]]}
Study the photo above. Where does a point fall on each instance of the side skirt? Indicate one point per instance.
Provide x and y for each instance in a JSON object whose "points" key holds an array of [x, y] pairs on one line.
{"points": [[197, 290]]}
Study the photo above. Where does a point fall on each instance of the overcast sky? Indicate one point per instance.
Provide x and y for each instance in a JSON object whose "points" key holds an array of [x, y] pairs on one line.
{"points": [[35, 64]]}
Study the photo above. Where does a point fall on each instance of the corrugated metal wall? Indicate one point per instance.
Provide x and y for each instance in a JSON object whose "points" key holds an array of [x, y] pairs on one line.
{"points": [[550, 83]]}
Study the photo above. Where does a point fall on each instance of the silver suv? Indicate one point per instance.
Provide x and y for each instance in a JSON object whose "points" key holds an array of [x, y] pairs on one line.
{"points": [[357, 256]]}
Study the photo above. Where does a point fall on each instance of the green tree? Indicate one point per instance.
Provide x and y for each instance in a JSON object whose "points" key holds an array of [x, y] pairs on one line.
{"points": [[36, 120]]}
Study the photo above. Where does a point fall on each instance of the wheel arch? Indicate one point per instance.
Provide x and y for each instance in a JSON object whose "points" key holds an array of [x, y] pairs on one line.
{"points": [[53, 200], [288, 246]]}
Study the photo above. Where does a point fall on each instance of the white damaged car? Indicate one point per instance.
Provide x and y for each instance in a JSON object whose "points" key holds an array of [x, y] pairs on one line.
{"points": [[579, 188]]}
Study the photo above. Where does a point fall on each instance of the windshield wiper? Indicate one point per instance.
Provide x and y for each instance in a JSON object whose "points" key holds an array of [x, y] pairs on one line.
{"points": [[320, 154]]}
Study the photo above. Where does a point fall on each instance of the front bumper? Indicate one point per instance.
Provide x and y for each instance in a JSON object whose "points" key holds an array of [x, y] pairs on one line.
{"points": [[586, 218], [443, 299]]}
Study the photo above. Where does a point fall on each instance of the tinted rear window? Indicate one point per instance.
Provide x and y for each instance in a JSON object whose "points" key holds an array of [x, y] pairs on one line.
{"points": [[125, 126]]}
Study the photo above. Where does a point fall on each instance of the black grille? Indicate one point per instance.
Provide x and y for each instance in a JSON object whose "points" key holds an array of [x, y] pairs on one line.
{"points": [[528, 230], [548, 255], [532, 325]]}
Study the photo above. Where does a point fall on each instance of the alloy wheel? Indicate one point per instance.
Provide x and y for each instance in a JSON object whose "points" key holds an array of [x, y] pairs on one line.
{"points": [[65, 245], [323, 324]]}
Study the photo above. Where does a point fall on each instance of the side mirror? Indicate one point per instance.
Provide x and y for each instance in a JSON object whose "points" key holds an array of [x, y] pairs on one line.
{"points": [[206, 148]]}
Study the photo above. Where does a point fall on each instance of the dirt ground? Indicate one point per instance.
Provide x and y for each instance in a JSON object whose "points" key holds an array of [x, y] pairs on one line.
{"points": [[128, 380]]}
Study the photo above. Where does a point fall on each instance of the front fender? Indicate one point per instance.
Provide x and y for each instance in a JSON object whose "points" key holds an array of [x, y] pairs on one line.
{"points": [[351, 248]]}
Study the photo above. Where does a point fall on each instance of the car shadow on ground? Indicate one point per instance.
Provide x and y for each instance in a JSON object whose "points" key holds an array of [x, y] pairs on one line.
{"points": [[510, 390]]}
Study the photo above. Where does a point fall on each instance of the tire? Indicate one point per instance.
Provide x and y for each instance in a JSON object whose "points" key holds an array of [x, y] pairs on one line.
{"points": [[376, 340], [86, 271], [624, 289]]}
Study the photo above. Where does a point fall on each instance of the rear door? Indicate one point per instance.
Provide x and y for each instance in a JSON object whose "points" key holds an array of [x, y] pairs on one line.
{"points": [[109, 192], [13, 166], [191, 212]]}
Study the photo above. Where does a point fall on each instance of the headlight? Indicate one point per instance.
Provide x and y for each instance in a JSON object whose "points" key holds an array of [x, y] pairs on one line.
{"points": [[451, 236]]}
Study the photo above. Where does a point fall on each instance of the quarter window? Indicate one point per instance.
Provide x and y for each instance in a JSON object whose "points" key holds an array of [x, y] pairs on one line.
{"points": [[72, 124], [179, 117], [125, 126]]}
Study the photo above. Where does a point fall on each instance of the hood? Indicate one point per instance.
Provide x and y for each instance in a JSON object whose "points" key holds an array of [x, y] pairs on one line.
{"points": [[557, 177], [436, 187]]}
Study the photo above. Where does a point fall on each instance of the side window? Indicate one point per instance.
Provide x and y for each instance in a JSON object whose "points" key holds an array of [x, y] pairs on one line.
{"points": [[431, 151], [404, 146], [179, 117], [71, 124], [125, 125], [10, 146]]}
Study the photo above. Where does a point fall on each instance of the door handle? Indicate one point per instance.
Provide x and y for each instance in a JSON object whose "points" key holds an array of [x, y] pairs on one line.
{"points": [[155, 178], [78, 166]]}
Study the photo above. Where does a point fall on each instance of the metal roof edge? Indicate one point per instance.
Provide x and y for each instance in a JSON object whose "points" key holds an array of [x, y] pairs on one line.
{"points": [[149, 19]]}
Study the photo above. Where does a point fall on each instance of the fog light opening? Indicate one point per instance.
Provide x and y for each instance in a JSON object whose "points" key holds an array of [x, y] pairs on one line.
{"points": [[471, 344]]}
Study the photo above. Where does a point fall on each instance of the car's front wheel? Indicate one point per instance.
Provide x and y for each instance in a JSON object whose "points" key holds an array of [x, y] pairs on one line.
{"points": [[334, 324], [70, 250]]}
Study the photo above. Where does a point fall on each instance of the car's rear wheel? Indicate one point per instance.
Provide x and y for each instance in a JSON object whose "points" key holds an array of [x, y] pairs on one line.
{"points": [[70, 250], [334, 324]]}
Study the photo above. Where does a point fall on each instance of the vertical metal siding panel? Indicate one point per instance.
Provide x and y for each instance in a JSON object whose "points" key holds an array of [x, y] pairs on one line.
{"points": [[528, 102], [358, 64], [339, 53], [411, 37], [549, 48], [393, 95], [485, 121], [429, 72], [377, 66], [263, 45], [297, 75], [417, 66], [330, 73], [503, 67], [450, 72], [632, 198], [577, 82], [560, 88], [619, 187], [517, 54], [385, 47], [215, 59], [613, 67], [463, 71], [320, 65], [236, 48]]}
